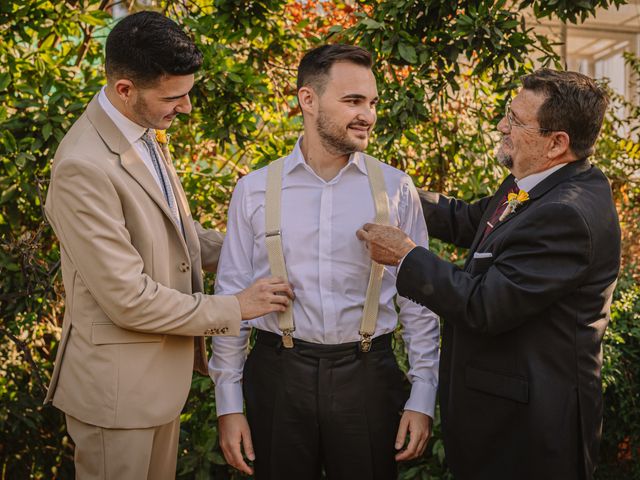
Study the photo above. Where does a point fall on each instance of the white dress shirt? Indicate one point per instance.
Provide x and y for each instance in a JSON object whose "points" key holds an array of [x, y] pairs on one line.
{"points": [[327, 266], [132, 132]]}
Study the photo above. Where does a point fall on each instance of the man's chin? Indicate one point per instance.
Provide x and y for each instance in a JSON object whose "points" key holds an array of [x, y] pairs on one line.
{"points": [[504, 159], [359, 142], [165, 123]]}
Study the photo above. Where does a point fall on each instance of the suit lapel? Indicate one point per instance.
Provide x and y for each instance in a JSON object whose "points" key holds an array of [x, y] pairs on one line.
{"points": [[568, 171], [559, 176], [508, 183], [191, 236], [193, 244], [129, 158]]}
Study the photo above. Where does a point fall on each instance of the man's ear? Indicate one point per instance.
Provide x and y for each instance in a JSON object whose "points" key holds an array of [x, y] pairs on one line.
{"points": [[125, 89], [559, 146], [308, 100]]}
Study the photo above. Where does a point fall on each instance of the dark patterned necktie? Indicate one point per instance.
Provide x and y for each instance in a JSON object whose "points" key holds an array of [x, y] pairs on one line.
{"points": [[495, 217], [149, 141]]}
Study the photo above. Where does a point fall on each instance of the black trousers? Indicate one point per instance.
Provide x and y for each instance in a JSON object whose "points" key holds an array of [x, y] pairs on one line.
{"points": [[330, 407]]}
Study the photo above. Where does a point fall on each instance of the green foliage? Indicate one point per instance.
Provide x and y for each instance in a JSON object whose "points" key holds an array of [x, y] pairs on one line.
{"points": [[569, 10], [621, 379], [445, 70]]}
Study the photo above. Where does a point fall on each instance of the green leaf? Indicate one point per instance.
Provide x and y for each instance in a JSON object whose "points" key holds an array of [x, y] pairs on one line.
{"points": [[407, 52], [5, 80], [46, 130], [91, 19], [9, 141], [235, 77], [9, 193], [371, 24]]}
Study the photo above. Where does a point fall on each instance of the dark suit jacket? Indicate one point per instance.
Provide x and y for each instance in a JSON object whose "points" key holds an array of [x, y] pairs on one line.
{"points": [[520, 386]]}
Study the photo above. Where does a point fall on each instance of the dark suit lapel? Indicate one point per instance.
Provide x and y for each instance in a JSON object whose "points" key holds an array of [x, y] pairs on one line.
{"points": [[507, 184], [557, 177]]}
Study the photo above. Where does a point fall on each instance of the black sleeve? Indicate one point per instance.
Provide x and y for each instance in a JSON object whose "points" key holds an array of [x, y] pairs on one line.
{"points": [[453, 221], [541, 260]]}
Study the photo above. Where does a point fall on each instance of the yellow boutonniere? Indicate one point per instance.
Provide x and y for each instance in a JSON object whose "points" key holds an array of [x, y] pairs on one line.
{"points": [[162, 137], [514, 200]]}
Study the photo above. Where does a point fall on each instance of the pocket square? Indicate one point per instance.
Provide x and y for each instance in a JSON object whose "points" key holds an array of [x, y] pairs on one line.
{"points": [[482, 255]]}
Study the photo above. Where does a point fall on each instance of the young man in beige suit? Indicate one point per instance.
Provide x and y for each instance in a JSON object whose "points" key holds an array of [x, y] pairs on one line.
{"points": [[131, 263]]}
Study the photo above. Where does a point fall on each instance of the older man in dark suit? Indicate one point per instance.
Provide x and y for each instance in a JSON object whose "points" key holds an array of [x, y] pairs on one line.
{"points": [[520, 390]]}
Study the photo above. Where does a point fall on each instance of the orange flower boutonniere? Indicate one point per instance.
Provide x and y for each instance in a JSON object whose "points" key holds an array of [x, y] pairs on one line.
{"points": [[162, 137], [514, 200]]}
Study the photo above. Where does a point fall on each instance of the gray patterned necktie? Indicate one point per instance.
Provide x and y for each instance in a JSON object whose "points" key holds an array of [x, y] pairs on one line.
{"points": [[158, 165]]}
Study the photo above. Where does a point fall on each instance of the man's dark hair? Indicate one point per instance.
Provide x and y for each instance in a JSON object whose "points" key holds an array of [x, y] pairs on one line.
{"points": [[315, 65], [145, 46], [574, 104]]}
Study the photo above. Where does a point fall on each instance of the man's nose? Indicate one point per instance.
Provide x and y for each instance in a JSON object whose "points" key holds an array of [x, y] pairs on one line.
{"points": [[503, 126], [184, 106], [368, 114]]}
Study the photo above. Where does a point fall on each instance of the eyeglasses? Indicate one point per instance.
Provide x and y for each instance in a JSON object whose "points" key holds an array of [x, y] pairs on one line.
{"points": [[514, 122]]}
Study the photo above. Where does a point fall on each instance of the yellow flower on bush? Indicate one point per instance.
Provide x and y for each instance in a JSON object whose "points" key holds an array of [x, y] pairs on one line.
{"points": [[161, 136]]}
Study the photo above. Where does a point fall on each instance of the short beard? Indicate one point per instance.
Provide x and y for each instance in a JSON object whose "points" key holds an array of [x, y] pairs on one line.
{"points": [[333, 139], [141, 112], [504, 159]]}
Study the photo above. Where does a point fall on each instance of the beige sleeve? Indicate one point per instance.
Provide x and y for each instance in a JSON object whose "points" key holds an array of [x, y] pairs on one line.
{"points": [[85, 211], [210, 247]]}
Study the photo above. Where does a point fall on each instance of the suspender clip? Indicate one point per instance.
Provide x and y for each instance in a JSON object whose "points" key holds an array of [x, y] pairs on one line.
{"points": [[365, 342], [287, 338]]}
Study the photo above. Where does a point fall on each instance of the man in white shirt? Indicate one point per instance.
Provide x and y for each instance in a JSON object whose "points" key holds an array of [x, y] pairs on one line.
{"points": [[325, 403], [132, 259]]}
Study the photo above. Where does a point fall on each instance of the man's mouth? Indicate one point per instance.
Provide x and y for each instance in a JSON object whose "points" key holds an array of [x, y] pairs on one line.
{"points": [[360, 128]]}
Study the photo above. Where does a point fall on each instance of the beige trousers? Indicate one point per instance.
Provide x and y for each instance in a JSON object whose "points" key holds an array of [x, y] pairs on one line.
{"points": [[124, 454]]}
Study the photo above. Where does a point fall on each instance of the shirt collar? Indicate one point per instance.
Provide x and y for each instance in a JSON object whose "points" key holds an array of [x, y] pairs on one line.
{"points": [[296, 158], [530, 181], [131, 130]]}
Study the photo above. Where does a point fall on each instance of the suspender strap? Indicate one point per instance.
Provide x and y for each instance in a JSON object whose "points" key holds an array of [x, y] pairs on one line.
{"points": [[273, 241], [372, 300]]}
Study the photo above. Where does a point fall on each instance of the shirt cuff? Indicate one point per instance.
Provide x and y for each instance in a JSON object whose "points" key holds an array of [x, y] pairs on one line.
{"points": [[229, 398], [422, 398]]}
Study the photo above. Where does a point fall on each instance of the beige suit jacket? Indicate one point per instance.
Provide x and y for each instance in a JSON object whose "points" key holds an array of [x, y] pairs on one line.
{"points": [[133, 283]]}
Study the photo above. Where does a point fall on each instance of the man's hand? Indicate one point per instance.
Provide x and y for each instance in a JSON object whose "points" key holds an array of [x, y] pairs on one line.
{"points": [[417, 426], [387, 245], [266, 295], [233, 431]]}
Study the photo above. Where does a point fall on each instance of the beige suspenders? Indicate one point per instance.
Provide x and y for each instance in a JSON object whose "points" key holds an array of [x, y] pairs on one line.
{"points": [[372, 300], [273, 240]]}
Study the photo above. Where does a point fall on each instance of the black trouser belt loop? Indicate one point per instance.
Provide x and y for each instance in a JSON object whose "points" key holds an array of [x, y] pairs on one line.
{"points": [[273, 340]]}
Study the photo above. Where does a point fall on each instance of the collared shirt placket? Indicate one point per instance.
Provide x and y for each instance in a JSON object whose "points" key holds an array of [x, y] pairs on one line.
{"points": [[325, 263]]}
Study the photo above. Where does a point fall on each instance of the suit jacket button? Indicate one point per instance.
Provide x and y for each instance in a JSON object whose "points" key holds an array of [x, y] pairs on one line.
{"points": [[183, 267], [208, 331]]}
